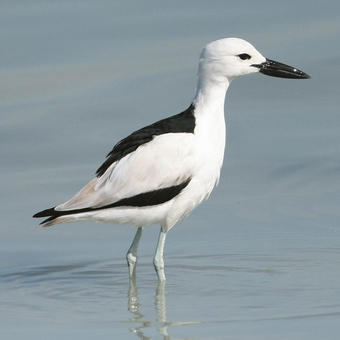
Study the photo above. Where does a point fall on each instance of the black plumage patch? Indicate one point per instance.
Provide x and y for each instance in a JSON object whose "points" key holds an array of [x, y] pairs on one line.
{"points": [[182, 122], [145, 199]]}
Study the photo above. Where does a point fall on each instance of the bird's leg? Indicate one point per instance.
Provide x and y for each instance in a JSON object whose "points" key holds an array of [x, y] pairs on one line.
{"points": [[158, 259], [131, 255]]}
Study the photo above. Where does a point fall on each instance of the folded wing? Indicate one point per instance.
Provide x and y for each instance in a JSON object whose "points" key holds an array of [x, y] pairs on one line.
{"points": [[158, 168]]}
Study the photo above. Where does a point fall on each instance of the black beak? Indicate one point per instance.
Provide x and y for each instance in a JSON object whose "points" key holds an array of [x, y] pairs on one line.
{"points": [[276, 69]]}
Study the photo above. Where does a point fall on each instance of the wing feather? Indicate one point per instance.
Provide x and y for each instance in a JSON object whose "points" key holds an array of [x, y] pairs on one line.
{"points": [[182, 122], [168, 160]]}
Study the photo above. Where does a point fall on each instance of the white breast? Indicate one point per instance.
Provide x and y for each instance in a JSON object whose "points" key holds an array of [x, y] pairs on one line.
{"points": [[208, 149], [210, 136]]}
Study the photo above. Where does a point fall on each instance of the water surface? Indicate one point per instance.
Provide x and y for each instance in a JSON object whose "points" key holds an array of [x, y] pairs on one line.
{"points": [[259, 260]]}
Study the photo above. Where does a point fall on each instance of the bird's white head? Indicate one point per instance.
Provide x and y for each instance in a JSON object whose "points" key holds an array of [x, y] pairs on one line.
{"points": [[225, 59]]}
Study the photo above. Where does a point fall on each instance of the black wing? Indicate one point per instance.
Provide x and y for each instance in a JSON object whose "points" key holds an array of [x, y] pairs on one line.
{"points": [[182, 122]]}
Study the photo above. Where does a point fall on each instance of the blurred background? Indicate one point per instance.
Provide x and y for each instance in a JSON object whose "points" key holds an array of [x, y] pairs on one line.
{"points": [[259, 260]]}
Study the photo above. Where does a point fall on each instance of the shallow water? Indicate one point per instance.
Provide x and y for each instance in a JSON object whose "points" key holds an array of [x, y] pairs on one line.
{"points": [[259, 260], [265, 293]]}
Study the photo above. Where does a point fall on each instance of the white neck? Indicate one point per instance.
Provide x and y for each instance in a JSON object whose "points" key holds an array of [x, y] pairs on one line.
{"points": [[210, 131], [210, 94]]}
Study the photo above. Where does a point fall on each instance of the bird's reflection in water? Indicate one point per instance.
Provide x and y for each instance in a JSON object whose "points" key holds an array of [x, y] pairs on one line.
{"points": [[160, 307], [134, 308]]}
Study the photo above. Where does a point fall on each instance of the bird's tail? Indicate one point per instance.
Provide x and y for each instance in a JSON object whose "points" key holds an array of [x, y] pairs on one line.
{"points": [[53, 217]]}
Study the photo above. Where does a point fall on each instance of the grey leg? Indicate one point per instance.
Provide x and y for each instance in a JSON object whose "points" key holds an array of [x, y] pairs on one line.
{"points": [[131, 255], [158, 259]]}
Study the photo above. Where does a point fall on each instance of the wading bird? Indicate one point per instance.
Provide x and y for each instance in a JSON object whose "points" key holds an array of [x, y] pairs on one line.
{"points": [[160, 173]]}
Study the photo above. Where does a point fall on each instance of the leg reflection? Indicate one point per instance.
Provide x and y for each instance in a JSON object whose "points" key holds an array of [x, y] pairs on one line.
{"points": [[133, 307], [160, 324], [133, 304], [160, 307]]}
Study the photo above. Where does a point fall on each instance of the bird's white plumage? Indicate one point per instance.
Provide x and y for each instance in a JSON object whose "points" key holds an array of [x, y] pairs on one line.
{"points": [[170, 159], [165, 161]]}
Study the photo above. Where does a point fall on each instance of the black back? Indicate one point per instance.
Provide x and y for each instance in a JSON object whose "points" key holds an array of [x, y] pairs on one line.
{"points": [[182, 122]]}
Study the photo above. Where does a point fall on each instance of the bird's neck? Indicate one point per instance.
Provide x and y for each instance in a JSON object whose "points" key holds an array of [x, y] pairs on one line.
{"points": [[210, 96], [210, 129]]}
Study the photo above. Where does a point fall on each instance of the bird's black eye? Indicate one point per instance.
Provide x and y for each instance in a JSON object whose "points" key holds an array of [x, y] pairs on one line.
{"points": [[244, 56]]}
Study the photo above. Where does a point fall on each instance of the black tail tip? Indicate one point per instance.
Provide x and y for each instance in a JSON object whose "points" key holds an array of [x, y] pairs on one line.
{"points": [[50, 213], [45, 213]]}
